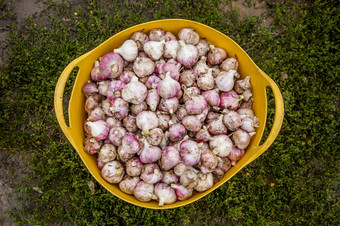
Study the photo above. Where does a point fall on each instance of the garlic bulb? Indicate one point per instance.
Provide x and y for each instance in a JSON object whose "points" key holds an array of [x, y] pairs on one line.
{"points": [[128, 184], [113, 172], [128, 50], [165, 194]]}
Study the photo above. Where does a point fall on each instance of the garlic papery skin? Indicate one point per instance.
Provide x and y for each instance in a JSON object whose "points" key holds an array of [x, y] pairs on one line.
{"points": [[201, 66], [249, 124], [172, 67], [169, 177], [130, 143], [202, 135], [221, 145], [177, 132], [232, 120], [128, 50], [247, 95], [144, 192], [134, 167], [152, 99], [170, 49], [170, 158], [140, 38], [143, 66], [208, 160], [96, 114], [190, 152], [242, 85], [152, 82], [103, 87], [189, 36], [147, 120], [189, 179], [163, 120], [192, 123], [203, 47], [204, 182], [155, 136], [114, 89], [180, 168], [229, 64], [116, 135], [181, 113], [128, 184], [157, 34], [134, 92], [130, 123], [212, 97], [92, 102], [170, 36], [182, 192], [190, 92], [111, 65], [241, 138], [126, 76], [97, 73], [230, 100], [195, 105], [165, 194], [225, 80], [151, 173], [187, 78], [187, 55], [206, 81], [217, 127], [138, 108], [169, 105], [106, 154], [246, 112], [113, 172], [113, 122], [168, 87], [149, 154], [119, 108], [216, 55], [89, 88], [91, 145], [235, 155], [123, 154], [154, 49], [99, 129]]}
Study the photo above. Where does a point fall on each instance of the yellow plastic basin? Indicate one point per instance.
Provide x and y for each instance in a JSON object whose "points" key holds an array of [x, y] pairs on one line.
{"points": [[259, 80]]}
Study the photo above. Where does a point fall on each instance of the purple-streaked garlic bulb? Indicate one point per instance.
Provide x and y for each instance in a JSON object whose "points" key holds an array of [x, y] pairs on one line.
{"points": [[249, 124], [246, 112], [221, 145], [180, 168], [149, 153], [130, 143], [230, 100], [189, 36], [192, 123], [172, 67], [116, 135], [203, 115], [190, 152], [235, 155], [106, 154], [208, 161], [168, 87], [241, 138], [103, 86], [111, 65], [190, 92], [187, 54], [196, 104], [147, 120], [177, 132], [130, 124], [163, 120], [113, 172], [217, 127], [137, 108], [155, 136], [181, 113], [242, 85], [92, 145], [157, 34], [119, 108], [140, 38], [144, 192], [128, 184], [129, 50], [206, 81], [203, 47], [202, 135], [170, 36], [216, 55], [126, 76], [154, 49], [201, 66], [169, 177], [92, 102], [187, 78], [97, 73], [113, 122], [89, 88], [123, 154], [134, 92], [225, 80], [97, 114], [212, 115], [223, 165], [229, 64], [182, 192], [232, 120], [151, 173], [170, 158], [169, 105], [114, 89], [189, 179], [143, 66], [106, 104], [99, 129], [212, 97], [165, 194], [152, 99], [152, 82], [204, 182], [134, 167], [170, 49]]}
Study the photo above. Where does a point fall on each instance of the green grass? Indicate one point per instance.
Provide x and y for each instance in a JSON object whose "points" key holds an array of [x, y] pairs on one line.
{"points": [[296, 181]]}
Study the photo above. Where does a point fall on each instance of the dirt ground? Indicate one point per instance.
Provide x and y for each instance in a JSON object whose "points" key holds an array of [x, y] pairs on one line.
{"points": [[12, 166]]}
